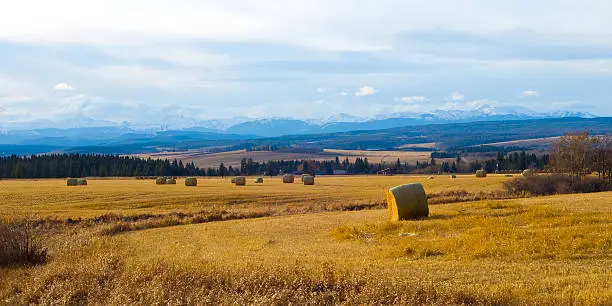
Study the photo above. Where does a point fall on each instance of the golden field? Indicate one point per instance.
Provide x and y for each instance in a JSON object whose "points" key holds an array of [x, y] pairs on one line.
{"points": [[204, 159], [309, 249], [129, 196]]}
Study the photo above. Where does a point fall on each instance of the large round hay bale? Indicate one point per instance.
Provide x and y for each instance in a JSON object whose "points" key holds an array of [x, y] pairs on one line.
{"points": [[481, 173], [407, 202], [72, 182], [258, 180], [160, 180], [82, 182], [191, 181], [308, 180], [454, 176], [171, 181], [288, 178], [240, 181], [528, 172]]}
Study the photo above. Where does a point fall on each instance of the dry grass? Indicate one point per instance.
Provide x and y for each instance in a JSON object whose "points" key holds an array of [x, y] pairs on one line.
{"points": [[135, 197], [543, 250], [19, 245]]}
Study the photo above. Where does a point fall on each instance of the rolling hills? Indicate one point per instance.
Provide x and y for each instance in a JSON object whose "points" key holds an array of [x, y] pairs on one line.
{"points": [[452, 135]]}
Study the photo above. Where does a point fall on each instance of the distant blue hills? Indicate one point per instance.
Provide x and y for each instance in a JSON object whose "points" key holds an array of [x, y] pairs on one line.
{"points": [[281, 131]]}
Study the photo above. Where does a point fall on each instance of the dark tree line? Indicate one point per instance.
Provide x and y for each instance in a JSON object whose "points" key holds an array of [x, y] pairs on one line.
{"points": [[83, 165], [277, 167]]}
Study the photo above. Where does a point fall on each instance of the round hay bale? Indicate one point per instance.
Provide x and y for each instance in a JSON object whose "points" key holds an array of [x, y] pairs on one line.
{"points": [[240, 180], [407, 202], [258, 180], [431, 178], [171, 181], [72, 182], [529, 172], [308, 180], [454, 176], [288, 178], [191, 181], [233, 180], [160, 181], [82, 182], [481, 173]]}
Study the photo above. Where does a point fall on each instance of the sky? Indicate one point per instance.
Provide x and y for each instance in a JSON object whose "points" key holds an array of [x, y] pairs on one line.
{"points": [[152, 61]]}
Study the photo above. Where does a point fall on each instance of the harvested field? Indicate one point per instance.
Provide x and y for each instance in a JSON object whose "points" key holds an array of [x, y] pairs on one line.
{"points": [[233, 158], [131, 197], [134, 242]]}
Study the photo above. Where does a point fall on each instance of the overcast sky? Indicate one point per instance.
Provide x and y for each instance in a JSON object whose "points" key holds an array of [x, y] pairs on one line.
{"points": [[142, 60]]}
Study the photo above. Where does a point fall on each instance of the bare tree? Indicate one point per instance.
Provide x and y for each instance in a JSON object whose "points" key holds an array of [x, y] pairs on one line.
{"points": [[573, 154], [602, 157]]}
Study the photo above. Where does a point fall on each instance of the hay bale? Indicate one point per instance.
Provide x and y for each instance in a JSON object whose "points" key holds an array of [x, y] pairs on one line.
{"points": [[529, 172], [233, 180], [72, 182], [308, 180], [481, 173], [171, 181], [258, 180], [191, 181], [454, 176], [160, 180], [407, 202], [82, 182], [431, 178], [240, 180], [288, 178]]}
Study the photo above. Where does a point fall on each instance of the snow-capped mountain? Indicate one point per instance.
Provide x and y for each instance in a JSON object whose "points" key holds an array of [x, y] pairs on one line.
{"points": [[278, 126]]}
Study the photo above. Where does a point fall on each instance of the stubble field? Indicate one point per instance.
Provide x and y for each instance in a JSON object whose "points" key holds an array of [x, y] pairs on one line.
{"points": [[132, 242]]}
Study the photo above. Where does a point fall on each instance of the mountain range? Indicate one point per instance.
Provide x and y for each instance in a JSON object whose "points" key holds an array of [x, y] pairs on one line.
{"points": [[122, 140], [87, 128]]}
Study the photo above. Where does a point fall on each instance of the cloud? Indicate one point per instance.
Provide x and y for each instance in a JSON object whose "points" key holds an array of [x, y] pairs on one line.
{"points": [[412, 99], [366, 91], [316, 24], [321, 90], [63, 87], [530, 93], [344, 93], [455, 96]]}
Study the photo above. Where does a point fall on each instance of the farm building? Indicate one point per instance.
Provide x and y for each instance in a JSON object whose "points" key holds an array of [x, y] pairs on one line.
{"points": [[387, 171]]}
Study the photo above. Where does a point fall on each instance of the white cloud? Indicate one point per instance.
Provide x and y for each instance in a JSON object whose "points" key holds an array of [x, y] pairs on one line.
{"points": [[366, 91], [344, 93], [455, 96], [412, 99], [530, 93], [63, 87], [321, 90], [316, 24]]}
